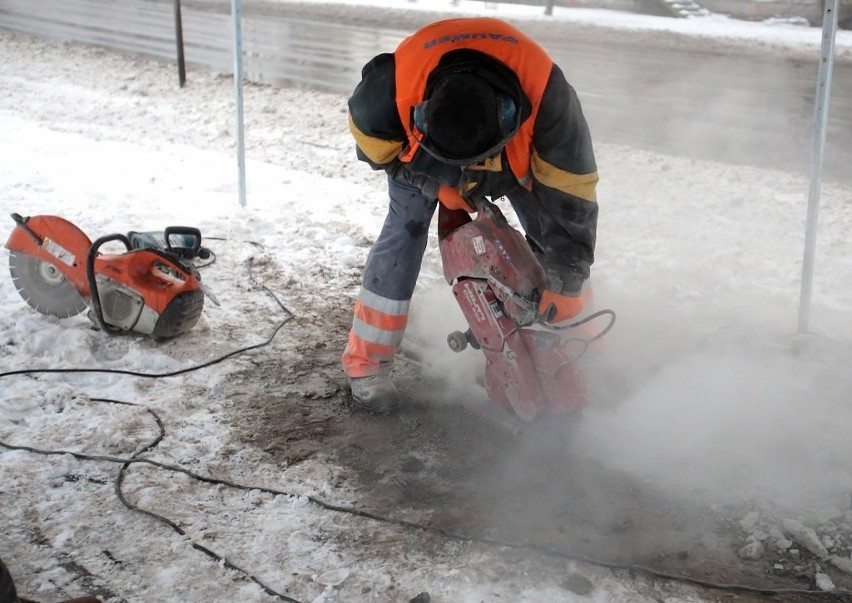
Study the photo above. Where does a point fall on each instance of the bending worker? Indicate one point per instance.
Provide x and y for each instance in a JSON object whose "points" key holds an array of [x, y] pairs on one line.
{"points": [[466, 108]]}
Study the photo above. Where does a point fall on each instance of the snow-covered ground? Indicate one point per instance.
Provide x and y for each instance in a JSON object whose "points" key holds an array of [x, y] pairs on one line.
{"points": [[706, 388]]}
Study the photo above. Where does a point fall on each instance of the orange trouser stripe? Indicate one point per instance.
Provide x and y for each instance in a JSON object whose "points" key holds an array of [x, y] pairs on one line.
{"points": [[362, 358], [378, 319], [377, 330]]}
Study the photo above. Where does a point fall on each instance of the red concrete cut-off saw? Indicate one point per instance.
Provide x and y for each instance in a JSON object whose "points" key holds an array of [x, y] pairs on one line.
{"points": [[530, 364], [152, 288]]}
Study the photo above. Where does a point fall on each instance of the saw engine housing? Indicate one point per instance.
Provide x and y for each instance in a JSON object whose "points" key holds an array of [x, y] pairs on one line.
{"points": [[497, 281], [148, 290]]}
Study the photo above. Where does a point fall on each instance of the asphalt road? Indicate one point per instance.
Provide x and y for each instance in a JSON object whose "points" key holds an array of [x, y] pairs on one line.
{"points": [[681, 95]]}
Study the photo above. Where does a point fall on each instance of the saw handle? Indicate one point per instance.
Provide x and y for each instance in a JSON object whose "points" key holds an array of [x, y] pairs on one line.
{"points": [[186, 231], [22, 222], [106, 239], [93, 284]]}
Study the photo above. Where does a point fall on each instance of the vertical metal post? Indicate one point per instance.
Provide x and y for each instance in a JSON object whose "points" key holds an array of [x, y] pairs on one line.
{"points": [[181, 63], [238, 86], [823, 95]]}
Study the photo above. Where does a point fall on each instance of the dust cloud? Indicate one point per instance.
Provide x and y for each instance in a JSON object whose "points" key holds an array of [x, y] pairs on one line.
{"points": [[719, 417], [730, 420], [705, 395]]}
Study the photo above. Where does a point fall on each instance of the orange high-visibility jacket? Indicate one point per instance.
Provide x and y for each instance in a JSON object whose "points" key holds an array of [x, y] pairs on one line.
{"points": [[550, 154]]}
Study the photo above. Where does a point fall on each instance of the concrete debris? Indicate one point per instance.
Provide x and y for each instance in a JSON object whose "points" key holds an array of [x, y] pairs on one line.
{"points": [[844, 564], [754, 550], [749, 521], [823, 582], [821, 554], [806, 537]]}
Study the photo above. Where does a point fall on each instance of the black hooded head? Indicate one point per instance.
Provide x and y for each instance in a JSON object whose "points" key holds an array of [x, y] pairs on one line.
{"points": [[471, 109], [461, 116]]}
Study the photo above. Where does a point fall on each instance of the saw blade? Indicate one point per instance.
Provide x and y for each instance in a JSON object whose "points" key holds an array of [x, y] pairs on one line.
{"points": [[44, 287]]}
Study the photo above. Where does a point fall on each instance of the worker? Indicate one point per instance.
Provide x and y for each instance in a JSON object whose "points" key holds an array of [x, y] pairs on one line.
{"points": [[465, 109]]}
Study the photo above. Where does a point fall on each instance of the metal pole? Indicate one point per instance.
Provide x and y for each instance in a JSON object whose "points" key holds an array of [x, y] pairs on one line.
{"points": [[181, 63], [238, 86], [823, 95]]}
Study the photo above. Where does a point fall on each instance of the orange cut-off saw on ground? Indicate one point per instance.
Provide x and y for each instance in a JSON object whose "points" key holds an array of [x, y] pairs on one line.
{"points": [[151, 288]]}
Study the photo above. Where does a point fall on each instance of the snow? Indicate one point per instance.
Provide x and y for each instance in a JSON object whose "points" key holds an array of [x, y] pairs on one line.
{"points": [[707, 388]]}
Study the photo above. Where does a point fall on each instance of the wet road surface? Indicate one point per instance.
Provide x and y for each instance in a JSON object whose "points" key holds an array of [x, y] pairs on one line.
{"points": [[752, 108]]}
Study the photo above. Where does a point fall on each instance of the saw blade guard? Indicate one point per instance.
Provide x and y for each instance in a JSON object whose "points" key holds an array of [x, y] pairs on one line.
{"points": [[55, 240], [530, 371], [47, 264], [489, 248], [497, 280]]}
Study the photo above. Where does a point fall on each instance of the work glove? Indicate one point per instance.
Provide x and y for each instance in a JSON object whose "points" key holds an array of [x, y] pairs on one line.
{"points": [[428, 186], [555, 307], [451, 199]]}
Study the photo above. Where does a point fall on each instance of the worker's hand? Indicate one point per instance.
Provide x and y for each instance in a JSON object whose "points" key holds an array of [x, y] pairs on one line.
{"points": [[451, 199], [428, 186], [555, 307]]}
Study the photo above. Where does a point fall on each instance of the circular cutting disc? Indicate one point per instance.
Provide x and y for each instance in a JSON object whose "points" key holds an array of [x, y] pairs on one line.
{"points": [[44, 287]]}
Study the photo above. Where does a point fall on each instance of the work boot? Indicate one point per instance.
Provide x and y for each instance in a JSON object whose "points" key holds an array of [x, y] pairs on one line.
{"points": [[376, 394]]}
